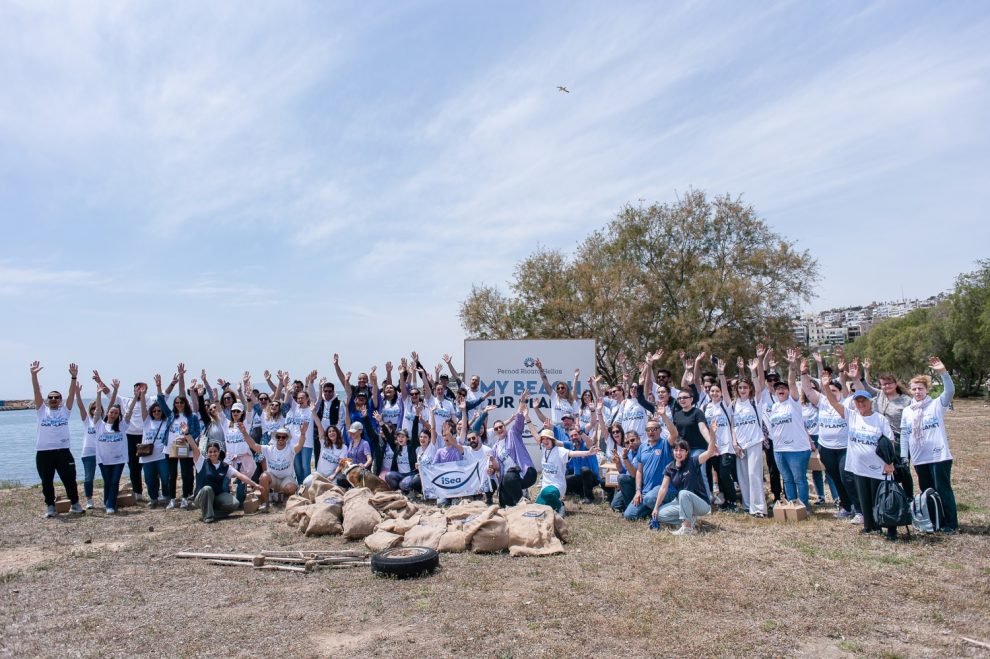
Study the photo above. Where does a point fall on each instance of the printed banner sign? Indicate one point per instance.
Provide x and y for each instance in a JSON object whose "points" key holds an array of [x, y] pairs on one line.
{"points": [[452, 479]]}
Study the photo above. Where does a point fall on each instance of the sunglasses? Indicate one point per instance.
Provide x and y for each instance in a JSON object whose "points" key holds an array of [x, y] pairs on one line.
{"points": [[683, 398], [54, 398], [499, 427], [651, 429], [264, 399]]}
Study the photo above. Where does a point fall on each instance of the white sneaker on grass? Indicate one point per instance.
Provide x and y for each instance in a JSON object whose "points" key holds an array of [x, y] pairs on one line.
{"points": [[684, 530], [111, 511], [77, 509], [856, 519], [171, 505], [184, 505], [89, 504], [51, 512]]}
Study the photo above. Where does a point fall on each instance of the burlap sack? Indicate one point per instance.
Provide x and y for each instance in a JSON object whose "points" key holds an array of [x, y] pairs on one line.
{"points": [[382, 540], [473, 523], [294, 508], [433, 518], [488, 532], [465, 509], [531, 531], [424, 536], [454, 540], [386, 501], [398, 525], [318, 487], [326, 516], [560, 528], [360, 518], [304, 518]]}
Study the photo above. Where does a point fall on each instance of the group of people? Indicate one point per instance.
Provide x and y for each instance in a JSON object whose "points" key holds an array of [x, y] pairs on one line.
{"points": [[670, 453]]}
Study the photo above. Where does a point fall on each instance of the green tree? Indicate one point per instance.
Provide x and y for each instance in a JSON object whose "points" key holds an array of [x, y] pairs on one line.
{"points": [[696, 274]]}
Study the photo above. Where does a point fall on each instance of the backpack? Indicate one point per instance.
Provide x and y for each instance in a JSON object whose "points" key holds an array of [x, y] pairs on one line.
{"points": [[891, 507], [926, 512]]}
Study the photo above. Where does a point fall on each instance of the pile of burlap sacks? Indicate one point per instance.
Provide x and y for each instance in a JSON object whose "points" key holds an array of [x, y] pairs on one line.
{"points": [[388, 519]]}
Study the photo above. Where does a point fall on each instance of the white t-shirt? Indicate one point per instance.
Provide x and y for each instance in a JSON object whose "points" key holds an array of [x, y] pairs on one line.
{"points": [[294, 420], [864, 433], [787, 426], [747, 423], [934, 444], [426, 456], [501, 450], [391, 413], [443, 410], [175, 434], [330, 459], [234, 441], [554, 464], [154, 432], [632, 416], [559, 407], [473, 395], [53, 428], [723, 436], [136, 426], [232, 473], [111, 447], [280, 462], [809, 413], [833, 430], [409, 414], [585, 415], [89, 439]]}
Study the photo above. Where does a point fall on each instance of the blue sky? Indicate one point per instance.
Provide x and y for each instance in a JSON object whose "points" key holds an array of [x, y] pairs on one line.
{"points": [[251, 185]]}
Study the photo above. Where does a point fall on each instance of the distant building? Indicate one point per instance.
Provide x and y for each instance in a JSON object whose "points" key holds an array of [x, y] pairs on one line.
{"points": [[840, 326]]}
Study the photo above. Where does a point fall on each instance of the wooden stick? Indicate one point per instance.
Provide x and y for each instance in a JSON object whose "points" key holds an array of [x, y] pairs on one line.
{"points": [[975, 642], [231, 557], [217, 561], [283, 568]]}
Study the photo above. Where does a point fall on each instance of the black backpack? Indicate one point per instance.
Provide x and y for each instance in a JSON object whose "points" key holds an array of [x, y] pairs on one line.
{"points": [[891, 507]]}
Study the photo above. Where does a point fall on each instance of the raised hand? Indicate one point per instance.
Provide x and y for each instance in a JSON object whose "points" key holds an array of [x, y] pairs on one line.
{"points": [[415, 356], [720, 365], [754, 364], [347, 376], [792, 356], [374, 370], [817, 356], [841, 365], [577, 374], [388, 367], [936, 363], [175, 378], [804, 366], [181, 368], [36, 368], [336, 359], [740, 363], [867, 363], [446, 359], [437, 370], [116, 384], [760, 350], [489, 408], [539, 364], [73, 370], [701, 355], [96, 376], [158, 380], [377, 416]]}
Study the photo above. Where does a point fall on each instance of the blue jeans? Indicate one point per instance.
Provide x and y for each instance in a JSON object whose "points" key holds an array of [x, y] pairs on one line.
{"points": [[89, 473], [303, 464], [645, 508], [155, 477], [793, 467], [111, 483]]}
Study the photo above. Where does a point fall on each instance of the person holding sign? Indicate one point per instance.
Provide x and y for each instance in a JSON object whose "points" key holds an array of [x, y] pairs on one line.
{"points": [[554, 459]]}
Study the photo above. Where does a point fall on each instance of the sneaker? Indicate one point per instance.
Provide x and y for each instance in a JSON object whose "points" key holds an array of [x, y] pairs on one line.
{"points": [[50, 512], [209, 520], [856, 519], [563, 511], [153, 503], [758, 515], [171, 505], [948, 531], [89, 504], [77, 509], [684, 530], [820, 501], [843, 514], [263, 508], [139, 496], [184, 505], [719, 499], [111, 511]]}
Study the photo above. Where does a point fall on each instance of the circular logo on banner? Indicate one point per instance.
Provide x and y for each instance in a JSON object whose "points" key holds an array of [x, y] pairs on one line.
{"points": [[529, 362]]}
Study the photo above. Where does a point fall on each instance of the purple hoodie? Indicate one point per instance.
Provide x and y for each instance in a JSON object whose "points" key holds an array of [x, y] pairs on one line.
{"points": [[516, 447]]}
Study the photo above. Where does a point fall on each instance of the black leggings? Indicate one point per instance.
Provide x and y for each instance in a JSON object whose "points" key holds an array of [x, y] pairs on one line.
{"points": [[726, 477], [938, 476], [582, 484], [58, 460], [834, 460], [134, 463], [510, 491], [775, 486], [867, 489], [186, 465]]}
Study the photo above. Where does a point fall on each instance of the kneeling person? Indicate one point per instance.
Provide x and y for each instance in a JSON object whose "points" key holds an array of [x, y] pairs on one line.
{"points": [[553, 486], [213, 476], [278, 465]]}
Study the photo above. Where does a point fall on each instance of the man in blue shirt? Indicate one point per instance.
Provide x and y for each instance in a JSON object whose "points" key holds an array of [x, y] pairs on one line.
{"points": [[652, 459], [582, 473]]}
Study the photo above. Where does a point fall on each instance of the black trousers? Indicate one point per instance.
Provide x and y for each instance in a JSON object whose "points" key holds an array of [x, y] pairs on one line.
{"points": [[834, 460], [726, 477], [134, 463], [938, 476], [582, 484], [186, 465], [775, 485], [59, 461], [510, 491], [867, 488]]}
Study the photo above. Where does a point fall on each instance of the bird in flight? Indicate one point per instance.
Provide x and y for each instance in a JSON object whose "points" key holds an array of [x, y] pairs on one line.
{"points": [[563, 89]]}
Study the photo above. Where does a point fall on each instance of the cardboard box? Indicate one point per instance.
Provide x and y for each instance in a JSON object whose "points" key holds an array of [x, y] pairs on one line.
{"points": [[815, 463], [125, 499], [610, 477], [62, 506], [251, 504], [788, 511]]}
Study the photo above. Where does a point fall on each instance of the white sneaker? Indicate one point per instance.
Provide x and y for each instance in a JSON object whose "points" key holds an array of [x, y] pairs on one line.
{"points": [[263, 508], [856, 519], [171, 505], [89, 504], [77, 509], [138, 496], [684, 530], [185, 504], [50, 512], [163, 500], [111, 511]]}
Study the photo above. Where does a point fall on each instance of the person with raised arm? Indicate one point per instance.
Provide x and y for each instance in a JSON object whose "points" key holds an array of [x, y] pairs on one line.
{"points": [[717, 414], [925, 442], [213, 476], [515, 466], [238, 444], [561, 396], [833, 440], [134, 432], [111, 449], [553, 485], [52, 453], [358, 452], [151, 450], [692, 426], [866, 427], [684, 475], [89, 417], [791, 443], [277, 464], [748, 439], [179, 456], [651, 459]]}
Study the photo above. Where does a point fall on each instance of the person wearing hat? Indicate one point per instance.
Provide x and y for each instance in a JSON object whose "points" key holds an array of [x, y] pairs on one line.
{"points": [[792, 445], [278, 463], [213, 476], [866, 428], [358, 452], [238, 444], [553, 458]]}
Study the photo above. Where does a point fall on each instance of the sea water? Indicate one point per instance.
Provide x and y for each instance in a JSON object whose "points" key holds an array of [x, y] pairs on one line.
{"points": [[18, 435]]}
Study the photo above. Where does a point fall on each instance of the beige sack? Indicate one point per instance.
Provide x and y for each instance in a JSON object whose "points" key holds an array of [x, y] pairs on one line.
{"points": [[360, 518], [560, 528], [399, 526], [465, 509], [531, 530], [318, 487], [489, 533], [304, 518], [326, 516], [424, 536], [382, 540], [454, 540], [294, 509]]}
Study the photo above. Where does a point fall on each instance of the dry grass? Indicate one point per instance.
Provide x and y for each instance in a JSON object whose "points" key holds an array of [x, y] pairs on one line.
{"points": [[98, 586]]}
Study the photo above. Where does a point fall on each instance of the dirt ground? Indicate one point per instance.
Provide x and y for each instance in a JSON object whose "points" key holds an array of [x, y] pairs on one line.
{"points": [[109, 586]]}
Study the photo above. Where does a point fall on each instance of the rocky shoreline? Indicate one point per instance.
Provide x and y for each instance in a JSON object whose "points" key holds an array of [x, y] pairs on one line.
{"points": [[11, 405]]}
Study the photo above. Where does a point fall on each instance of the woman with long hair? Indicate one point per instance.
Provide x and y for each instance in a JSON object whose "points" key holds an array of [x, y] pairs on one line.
{"points": [[833, 440], [748, 431]]}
